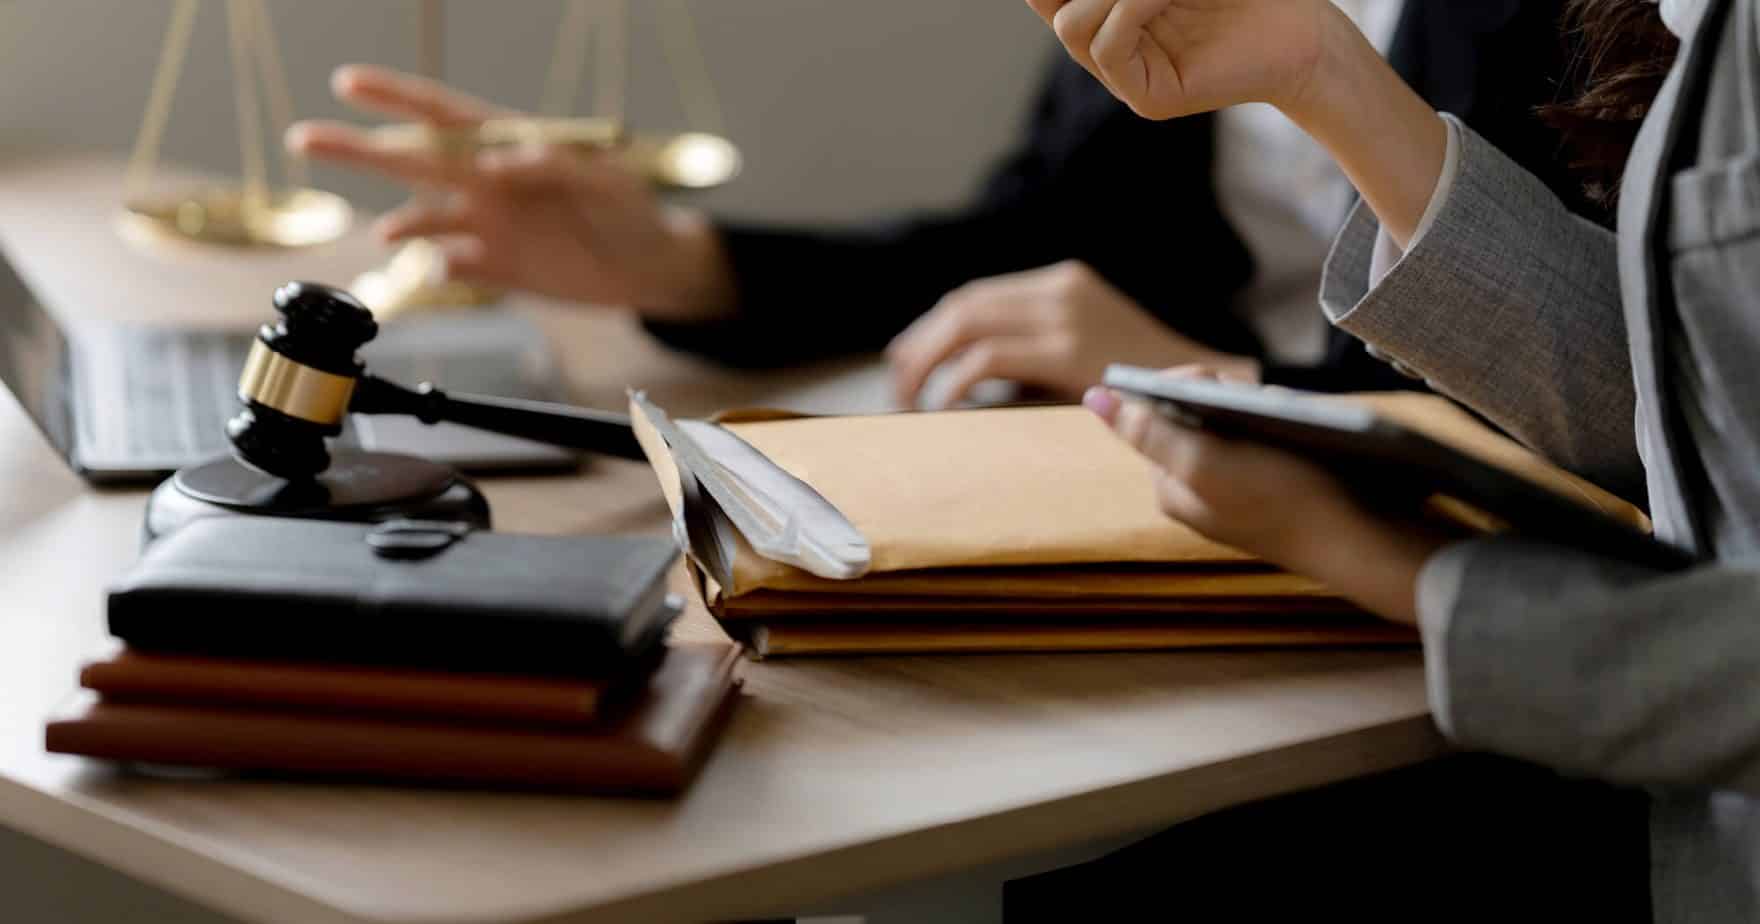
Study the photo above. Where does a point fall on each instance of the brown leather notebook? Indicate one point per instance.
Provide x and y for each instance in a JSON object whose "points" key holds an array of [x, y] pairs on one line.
{"points": [[847, 638], [147, 677], [655, 747]]}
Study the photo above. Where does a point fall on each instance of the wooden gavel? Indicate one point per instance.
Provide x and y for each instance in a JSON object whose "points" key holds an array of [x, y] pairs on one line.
{"points": [[303, 375]]}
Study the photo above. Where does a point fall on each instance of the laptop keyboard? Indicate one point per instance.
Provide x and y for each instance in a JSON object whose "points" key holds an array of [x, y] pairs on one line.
{"points": [[161, 399], [180, 390]]}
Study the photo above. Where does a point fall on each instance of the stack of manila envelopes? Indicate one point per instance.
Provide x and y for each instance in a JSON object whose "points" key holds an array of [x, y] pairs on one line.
{"points": [[1006, 529]]}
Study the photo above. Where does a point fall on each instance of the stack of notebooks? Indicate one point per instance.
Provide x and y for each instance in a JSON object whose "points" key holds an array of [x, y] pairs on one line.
{"points": [[297, 647], [994, 530]]}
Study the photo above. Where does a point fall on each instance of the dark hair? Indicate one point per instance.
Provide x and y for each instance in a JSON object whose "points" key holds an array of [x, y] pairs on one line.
{"points": [[1620, 54]]}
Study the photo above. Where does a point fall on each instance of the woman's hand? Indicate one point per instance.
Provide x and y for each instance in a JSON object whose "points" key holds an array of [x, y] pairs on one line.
{"points": [[1278, 506], [544, 219], [1055, 328], [1167, 58]]}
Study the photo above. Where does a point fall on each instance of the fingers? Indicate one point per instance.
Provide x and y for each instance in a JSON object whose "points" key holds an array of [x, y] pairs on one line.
{"points": [[1178, 500], [1181, 455], [1017, 358], [1103, 401], [1158, 439], [347, 145], [1115, 45], [968, 315], [514, 168], [1076, 23], [541, 167], [1047, 9], [468, 259], [1199, 371], [406, 96], [1125, 45], [424, 218]]}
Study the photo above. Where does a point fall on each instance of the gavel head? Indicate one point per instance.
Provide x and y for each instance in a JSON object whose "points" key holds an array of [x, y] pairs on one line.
{"points": [[298, 379]]}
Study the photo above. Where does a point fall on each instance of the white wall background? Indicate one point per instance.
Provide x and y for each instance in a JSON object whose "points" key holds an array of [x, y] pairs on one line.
{"points": [[843, 107]]}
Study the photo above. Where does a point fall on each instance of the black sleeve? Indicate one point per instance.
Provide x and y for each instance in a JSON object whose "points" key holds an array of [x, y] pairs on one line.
{"points": [[806, 295], [1069, 191]]}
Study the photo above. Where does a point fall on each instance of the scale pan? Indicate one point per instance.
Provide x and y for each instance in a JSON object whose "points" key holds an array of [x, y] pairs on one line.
{"points": [[691, 160], [222, 216]]}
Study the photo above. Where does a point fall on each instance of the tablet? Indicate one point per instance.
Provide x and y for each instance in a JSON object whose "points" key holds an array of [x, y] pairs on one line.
{"points": [[1389, 461]]}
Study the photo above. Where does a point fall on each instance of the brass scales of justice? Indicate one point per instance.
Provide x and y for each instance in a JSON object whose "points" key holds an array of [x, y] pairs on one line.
{"points": [[256, 213]]}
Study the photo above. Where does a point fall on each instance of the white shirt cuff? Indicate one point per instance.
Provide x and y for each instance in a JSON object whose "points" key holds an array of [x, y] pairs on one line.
{"points": [[1387, 254]]}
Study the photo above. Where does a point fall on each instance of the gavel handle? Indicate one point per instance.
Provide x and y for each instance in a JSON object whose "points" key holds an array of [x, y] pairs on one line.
{"points": [[557, 424]]}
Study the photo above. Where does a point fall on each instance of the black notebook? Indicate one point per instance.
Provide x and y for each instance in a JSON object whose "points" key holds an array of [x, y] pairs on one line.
{"points": [[426, 594]]}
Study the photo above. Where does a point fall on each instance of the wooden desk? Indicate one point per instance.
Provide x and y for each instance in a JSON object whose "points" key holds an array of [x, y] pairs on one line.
{"points": [[837, 776]]}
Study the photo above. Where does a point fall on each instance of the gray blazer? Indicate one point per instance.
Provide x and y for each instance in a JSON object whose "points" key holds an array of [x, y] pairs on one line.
{"points": [[1565, 336]]}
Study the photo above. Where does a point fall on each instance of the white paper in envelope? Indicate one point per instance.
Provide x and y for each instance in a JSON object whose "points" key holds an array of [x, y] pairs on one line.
{"points": [[780, 516]]}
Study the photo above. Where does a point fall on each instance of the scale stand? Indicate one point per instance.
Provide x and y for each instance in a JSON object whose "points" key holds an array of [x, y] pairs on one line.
{"points": [[254, 212]]}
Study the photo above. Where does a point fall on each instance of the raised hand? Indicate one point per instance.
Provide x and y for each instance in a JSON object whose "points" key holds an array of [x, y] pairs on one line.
{"points": [[544, 219], [1167, 58]]}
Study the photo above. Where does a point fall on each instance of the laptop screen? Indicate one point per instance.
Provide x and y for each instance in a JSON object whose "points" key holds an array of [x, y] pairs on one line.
{"points": [[33, 357]]}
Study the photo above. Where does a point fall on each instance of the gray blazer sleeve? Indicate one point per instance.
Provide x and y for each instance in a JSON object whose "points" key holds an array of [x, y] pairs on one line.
{"points": [[1511, 305], [1596, 667]]}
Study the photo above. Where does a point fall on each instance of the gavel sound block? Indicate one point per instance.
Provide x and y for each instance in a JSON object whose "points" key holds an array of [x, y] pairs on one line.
{"points": [[302, 377]]}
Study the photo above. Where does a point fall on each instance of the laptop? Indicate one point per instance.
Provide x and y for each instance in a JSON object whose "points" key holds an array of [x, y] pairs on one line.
{"points": [[127, 403]]}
